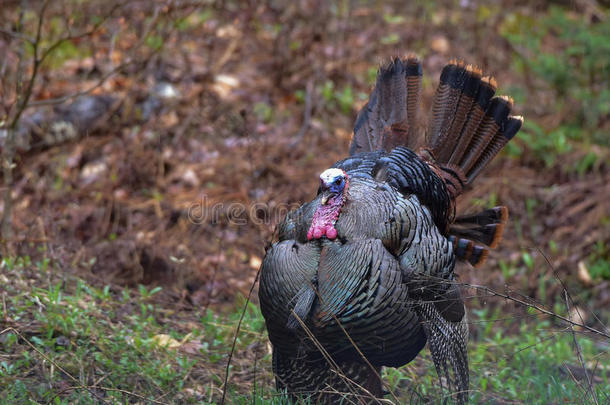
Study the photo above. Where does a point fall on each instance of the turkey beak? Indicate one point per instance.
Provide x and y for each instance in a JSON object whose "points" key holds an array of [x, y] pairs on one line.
{"points": [[326, 195]]}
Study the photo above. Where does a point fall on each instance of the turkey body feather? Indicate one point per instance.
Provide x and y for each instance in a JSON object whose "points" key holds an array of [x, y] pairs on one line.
{"points": [[363, 276]]}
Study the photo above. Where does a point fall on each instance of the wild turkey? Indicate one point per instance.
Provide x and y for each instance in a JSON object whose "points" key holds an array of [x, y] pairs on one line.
{"points": [[363, 276]]}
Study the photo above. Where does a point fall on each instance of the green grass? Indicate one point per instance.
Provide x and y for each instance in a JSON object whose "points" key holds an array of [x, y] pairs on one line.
{"points": [[567, 55], [529, 367], [65, 341]]}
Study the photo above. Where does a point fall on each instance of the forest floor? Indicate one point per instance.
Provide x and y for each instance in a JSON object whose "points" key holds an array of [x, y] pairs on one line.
{"points": [[135, 245]]}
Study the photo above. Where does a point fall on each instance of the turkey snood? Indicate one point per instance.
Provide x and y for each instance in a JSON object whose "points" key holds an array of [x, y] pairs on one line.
{"points": [[334, 185]]}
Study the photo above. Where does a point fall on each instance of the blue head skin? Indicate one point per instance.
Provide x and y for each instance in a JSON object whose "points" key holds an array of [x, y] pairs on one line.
{"points": [[332, 183]]}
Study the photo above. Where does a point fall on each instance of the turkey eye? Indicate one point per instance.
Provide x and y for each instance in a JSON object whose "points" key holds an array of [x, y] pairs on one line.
{"points": [[338, 181]]}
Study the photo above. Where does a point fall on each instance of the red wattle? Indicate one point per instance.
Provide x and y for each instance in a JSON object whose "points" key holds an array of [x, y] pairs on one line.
{"points": [[323, 222]]}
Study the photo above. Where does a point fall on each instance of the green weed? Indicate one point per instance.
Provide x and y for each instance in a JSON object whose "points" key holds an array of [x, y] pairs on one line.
{"points": [[570, 57]]}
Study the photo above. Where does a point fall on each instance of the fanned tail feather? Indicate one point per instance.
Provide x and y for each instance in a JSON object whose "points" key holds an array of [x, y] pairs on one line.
{"points": [[487, 89], [453, 101], [489, 235], [467, 250], [508, 128], [485, 227], [389, 118], [489, 216], [469, 125], [414, 78]]}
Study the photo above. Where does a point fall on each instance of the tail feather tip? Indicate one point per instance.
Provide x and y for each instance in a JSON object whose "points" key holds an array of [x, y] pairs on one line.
{"points": [[512, 126], [479, 256]]}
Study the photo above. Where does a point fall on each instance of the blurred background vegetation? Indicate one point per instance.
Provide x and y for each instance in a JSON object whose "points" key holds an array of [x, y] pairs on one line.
{"points": [[123, 122]]}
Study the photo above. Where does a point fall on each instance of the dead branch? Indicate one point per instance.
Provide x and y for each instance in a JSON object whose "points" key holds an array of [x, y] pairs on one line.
{"points": [[100, 82], [9, 148], [17, 35], [24, 95], [537, 307], [71, 37]]}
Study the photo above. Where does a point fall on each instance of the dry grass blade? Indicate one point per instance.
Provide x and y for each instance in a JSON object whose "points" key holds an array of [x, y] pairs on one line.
{"points": [[243, 313], [589, 388], [364, 357], [334, 366]]}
